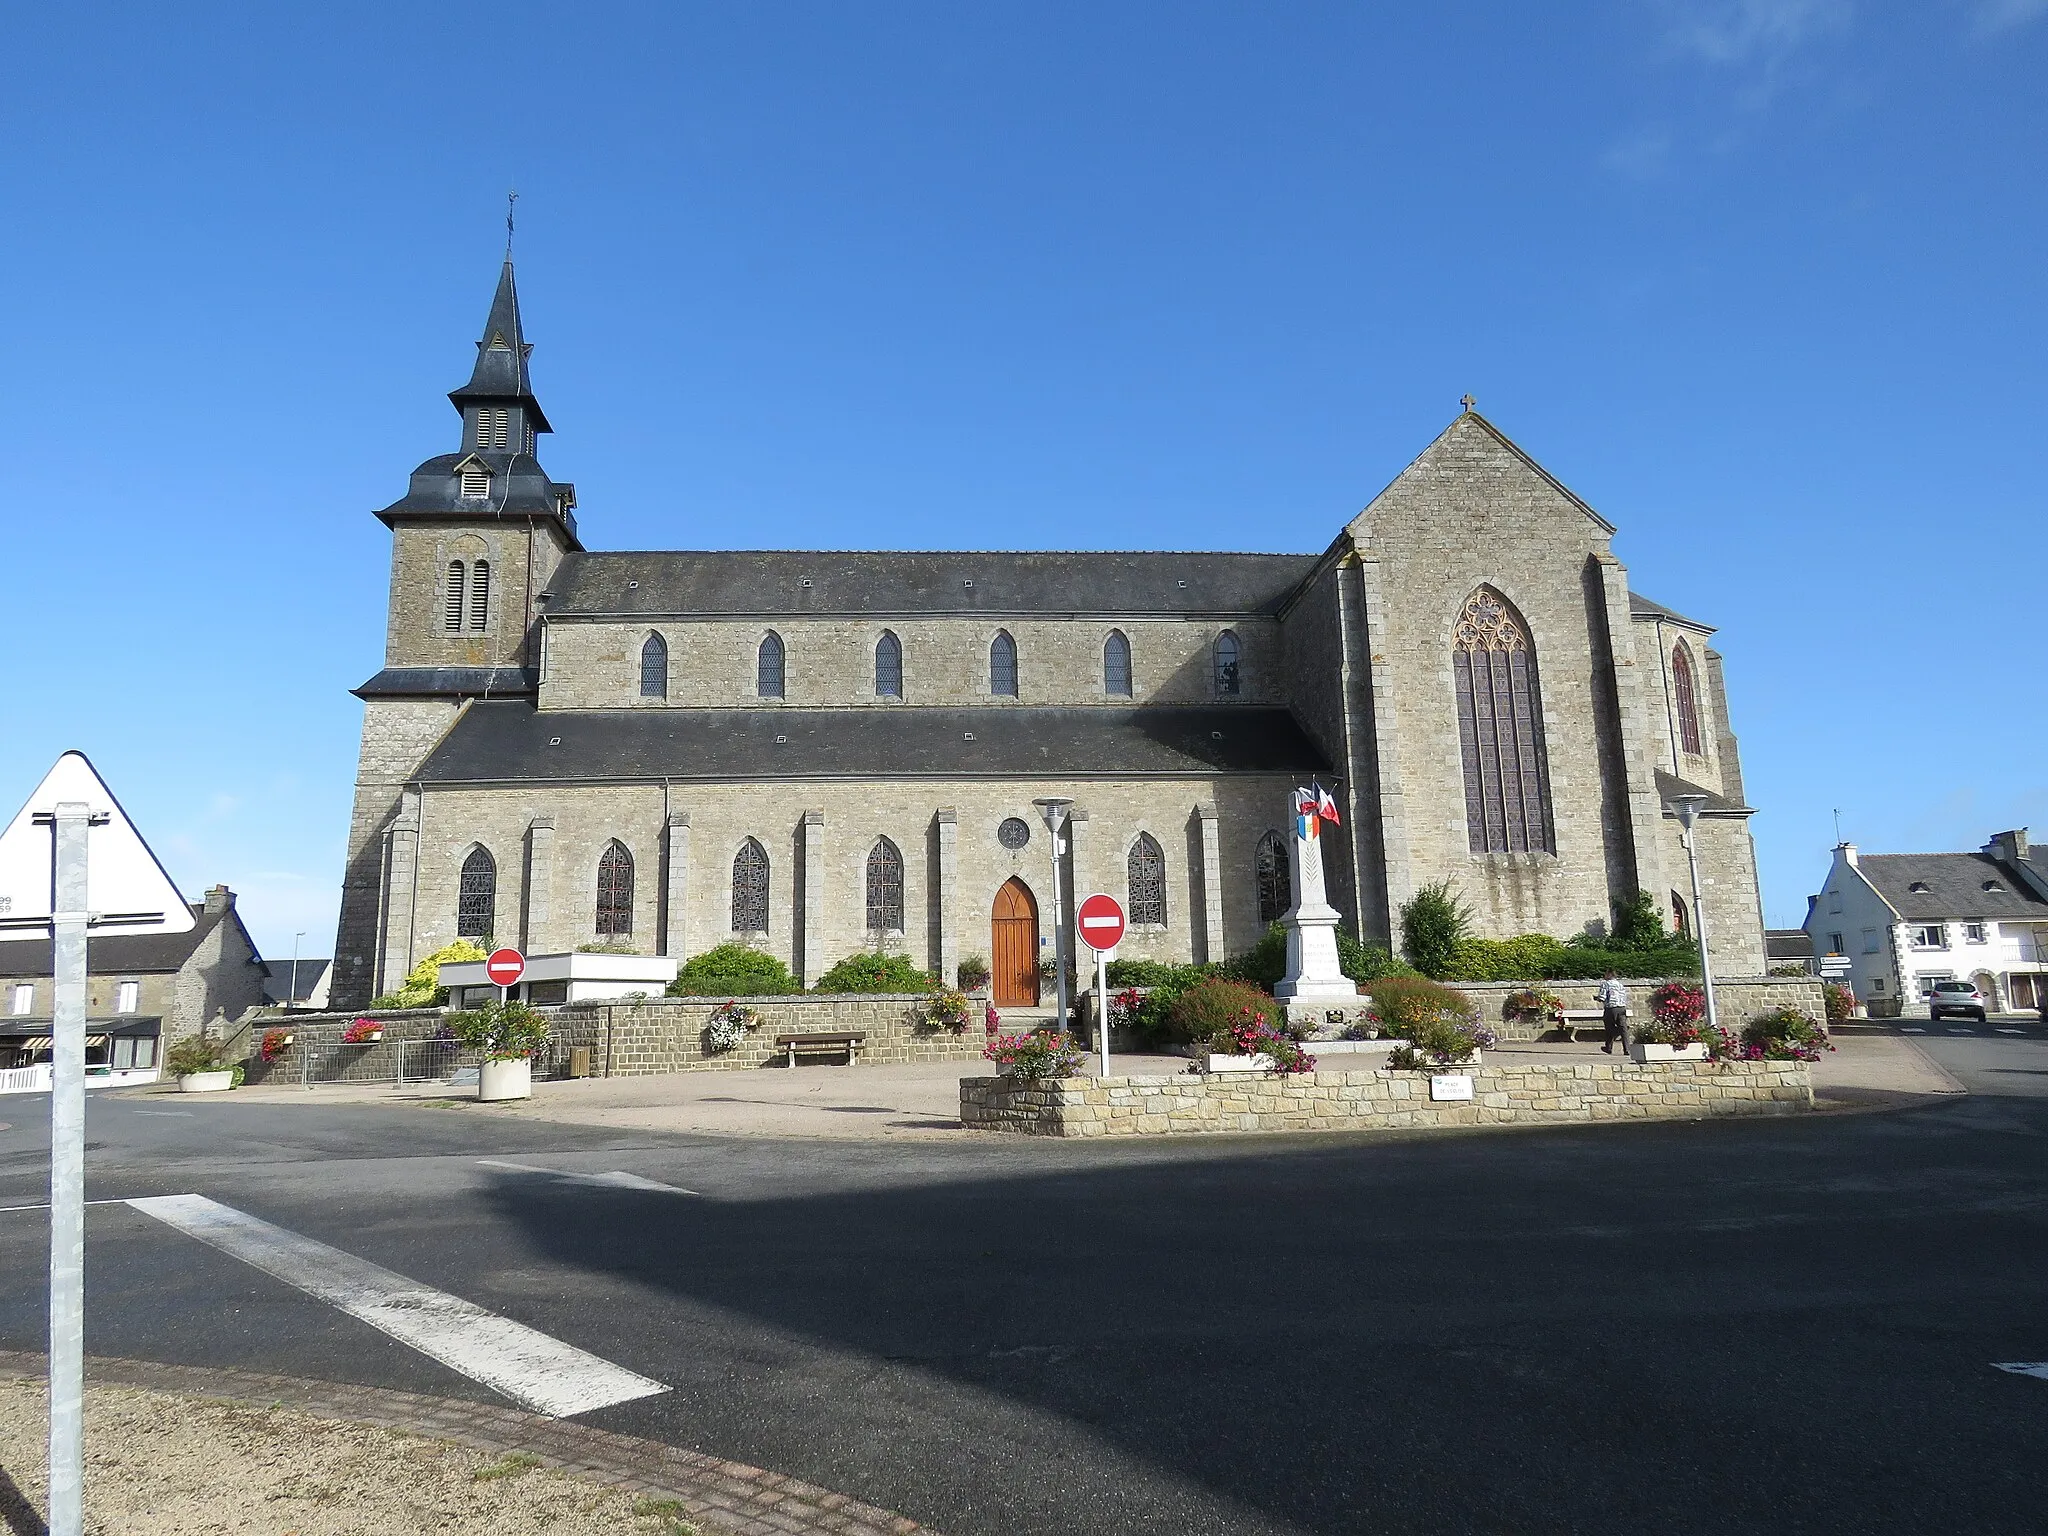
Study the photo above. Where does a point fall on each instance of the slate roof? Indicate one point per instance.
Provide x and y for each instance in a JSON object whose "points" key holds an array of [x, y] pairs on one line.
{"points": [[431, 682], [1641, 607], [514, 741], [1787, 945], [774, 582], [122, 953], [285, 986], [1954, 887], [501, 371]]}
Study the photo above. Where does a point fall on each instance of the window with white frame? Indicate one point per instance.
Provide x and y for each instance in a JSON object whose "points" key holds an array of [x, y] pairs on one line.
{"points": [[133, 1053], [127, 996], [1973, 933], [1836, 946], [1929, 936], [23, 999]]}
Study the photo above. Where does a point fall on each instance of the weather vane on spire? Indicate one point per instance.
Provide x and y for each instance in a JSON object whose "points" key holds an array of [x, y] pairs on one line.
{"points": [[511, 198]]}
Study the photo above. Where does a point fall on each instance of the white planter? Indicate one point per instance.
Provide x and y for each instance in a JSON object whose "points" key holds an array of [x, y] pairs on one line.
{"points": [[505, 1080], [206, 1082], [1647, 1053], [1258, 1063]]}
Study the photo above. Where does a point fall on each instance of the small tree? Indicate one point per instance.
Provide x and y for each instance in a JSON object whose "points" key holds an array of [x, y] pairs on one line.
{"points": [[501, 1031], [1434, 922], [423, 987]]}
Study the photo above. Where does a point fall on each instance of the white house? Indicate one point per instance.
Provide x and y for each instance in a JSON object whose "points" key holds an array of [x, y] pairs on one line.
{"points": [[1908, 920]]}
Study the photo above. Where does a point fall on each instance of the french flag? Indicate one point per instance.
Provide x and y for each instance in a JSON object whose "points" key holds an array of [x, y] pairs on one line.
{"points": [[1326, 807], [1307, 812]]}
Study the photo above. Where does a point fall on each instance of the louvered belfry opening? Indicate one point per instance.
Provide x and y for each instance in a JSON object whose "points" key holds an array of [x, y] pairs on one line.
{"points": [[479, 596], [458, 591], [750, 888], [885, 888], [615, 892], [476, 915], [1686, 695], [1507, 782], [1276, 880]]}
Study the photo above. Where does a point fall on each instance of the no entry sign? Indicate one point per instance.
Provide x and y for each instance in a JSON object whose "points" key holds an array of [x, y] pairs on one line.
{"points": [[1101, 922], [505, 966]]}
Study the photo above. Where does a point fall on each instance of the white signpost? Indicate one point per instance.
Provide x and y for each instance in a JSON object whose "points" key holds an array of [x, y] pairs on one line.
{"points": [[1102, 929]]}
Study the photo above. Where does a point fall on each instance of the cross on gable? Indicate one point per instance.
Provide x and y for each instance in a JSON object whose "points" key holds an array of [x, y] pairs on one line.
{"points": [[1467, 401]]}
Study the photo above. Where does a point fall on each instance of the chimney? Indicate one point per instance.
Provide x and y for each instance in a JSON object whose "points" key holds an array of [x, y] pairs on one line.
{"points": [[2009, 846], [219, 899], [1847, 852]]}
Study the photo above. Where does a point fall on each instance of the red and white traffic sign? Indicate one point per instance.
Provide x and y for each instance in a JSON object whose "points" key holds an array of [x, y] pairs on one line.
{"points": [[1102, 922], [505, 966]]}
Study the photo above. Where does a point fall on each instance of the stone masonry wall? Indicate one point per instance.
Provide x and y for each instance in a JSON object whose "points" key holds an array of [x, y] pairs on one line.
{"points": [[1738, 999], [1382, 1100], [667, 1035]]}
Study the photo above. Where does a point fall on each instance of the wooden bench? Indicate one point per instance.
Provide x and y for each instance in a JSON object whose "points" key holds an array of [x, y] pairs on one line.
{"points": [[820, 1044], [1572, 1020]]}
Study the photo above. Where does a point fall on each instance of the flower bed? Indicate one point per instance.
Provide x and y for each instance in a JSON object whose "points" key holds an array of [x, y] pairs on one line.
{"points": [[1041, 1054]]}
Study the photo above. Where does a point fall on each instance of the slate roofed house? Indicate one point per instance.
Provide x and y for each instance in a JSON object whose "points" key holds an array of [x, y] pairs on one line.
{"points": [[1788, 947], [1908, 920], [298, 984], [159, 967], [822, 752]]}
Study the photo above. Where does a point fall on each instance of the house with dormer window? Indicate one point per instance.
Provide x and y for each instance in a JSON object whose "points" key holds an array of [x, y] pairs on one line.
{"points": [[1908, 920]]}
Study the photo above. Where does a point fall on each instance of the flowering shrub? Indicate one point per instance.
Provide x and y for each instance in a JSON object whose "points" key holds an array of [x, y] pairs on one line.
{"points": [[1040, 1054], [1839, 1001], [1250, 1035], [362, 1032], [991, 1020], [1366, 1027], [731, 1022], [275, 1043], [1441, 1041], [972, 974], [1213, 1005], [1531, 1003], [502, 1031], [1677, 1017], [1408, 1003], [1784, 1034], [948, 1009]]}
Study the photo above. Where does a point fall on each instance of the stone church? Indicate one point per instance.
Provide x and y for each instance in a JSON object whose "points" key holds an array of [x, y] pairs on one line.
{"points": [[819, 752]]}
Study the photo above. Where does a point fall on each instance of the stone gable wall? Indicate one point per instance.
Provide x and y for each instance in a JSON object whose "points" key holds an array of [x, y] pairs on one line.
{"points": [[1381, 1100]]}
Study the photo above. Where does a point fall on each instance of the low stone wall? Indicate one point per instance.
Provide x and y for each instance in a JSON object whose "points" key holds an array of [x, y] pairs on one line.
{"points": [[667, 1034], [334, 1063], [1739, 999], [1382, 1100]]}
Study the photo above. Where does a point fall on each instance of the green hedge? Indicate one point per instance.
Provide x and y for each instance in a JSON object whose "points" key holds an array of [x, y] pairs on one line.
{"points": [[733, 970], [872, 972]]}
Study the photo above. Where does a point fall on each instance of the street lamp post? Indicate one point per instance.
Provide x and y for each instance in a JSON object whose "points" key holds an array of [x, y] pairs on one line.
{"points": [[1687, 809], [1054, 808], [291, 991]]}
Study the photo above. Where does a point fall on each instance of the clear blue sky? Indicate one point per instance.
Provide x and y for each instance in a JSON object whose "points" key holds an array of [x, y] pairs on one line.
{"points": [[1760, 279]]}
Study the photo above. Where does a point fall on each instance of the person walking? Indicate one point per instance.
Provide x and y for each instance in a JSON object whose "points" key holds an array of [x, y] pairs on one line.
{"points": [[1613, 1000]]}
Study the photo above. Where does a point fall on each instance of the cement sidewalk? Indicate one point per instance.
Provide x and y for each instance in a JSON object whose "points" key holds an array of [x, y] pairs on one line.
{"points": [[922, 1100]]}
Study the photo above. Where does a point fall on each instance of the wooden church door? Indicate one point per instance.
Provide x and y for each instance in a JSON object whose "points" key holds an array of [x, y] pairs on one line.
{"points": [[1013, 946]]}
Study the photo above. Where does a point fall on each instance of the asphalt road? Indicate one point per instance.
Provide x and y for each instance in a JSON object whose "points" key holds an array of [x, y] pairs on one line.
{"points": [[1785, 1326]]}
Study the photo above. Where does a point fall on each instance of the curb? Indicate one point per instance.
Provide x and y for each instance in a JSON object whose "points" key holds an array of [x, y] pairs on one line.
{"points": [[729, 1496]]}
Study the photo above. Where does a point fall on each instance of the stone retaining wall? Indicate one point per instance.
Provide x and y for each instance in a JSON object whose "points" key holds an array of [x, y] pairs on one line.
{"points": [[1381, 1100], [1739, 999], [667, 1034]]}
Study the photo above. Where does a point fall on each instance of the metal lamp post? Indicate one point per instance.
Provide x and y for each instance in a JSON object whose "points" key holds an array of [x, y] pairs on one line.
{"points": [[1687, 809], [1054, 808]]}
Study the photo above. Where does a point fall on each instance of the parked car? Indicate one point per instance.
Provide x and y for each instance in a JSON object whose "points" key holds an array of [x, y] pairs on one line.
{"points": [[1955, 997]]}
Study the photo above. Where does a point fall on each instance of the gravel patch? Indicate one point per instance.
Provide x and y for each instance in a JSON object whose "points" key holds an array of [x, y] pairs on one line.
{"points": [[159, 1464]]}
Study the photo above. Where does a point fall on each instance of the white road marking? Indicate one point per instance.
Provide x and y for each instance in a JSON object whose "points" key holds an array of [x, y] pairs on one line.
{"points": [[526, 1365], [185, 1112], [613, 1180], [1912, 1029], [45, 1205], [2004, 1031], [1954, 1031], [2023, 1367]]}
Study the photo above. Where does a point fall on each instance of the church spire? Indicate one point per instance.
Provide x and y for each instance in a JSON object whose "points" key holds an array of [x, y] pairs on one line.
{"points": [[500, 377]]}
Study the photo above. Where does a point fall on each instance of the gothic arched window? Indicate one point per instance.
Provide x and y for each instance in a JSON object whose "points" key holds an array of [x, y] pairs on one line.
{"points": [[1680, 923], [1276, 879], [1147, 870], [1507, 783], [1226, 655], [750, 888], [885, 888], [1687, 698], [654, 668], [458, 589], [1002, 666], [1116, 665], [888, 666], [768, 667], [615, 892], [476, 908], [479, 594]]}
